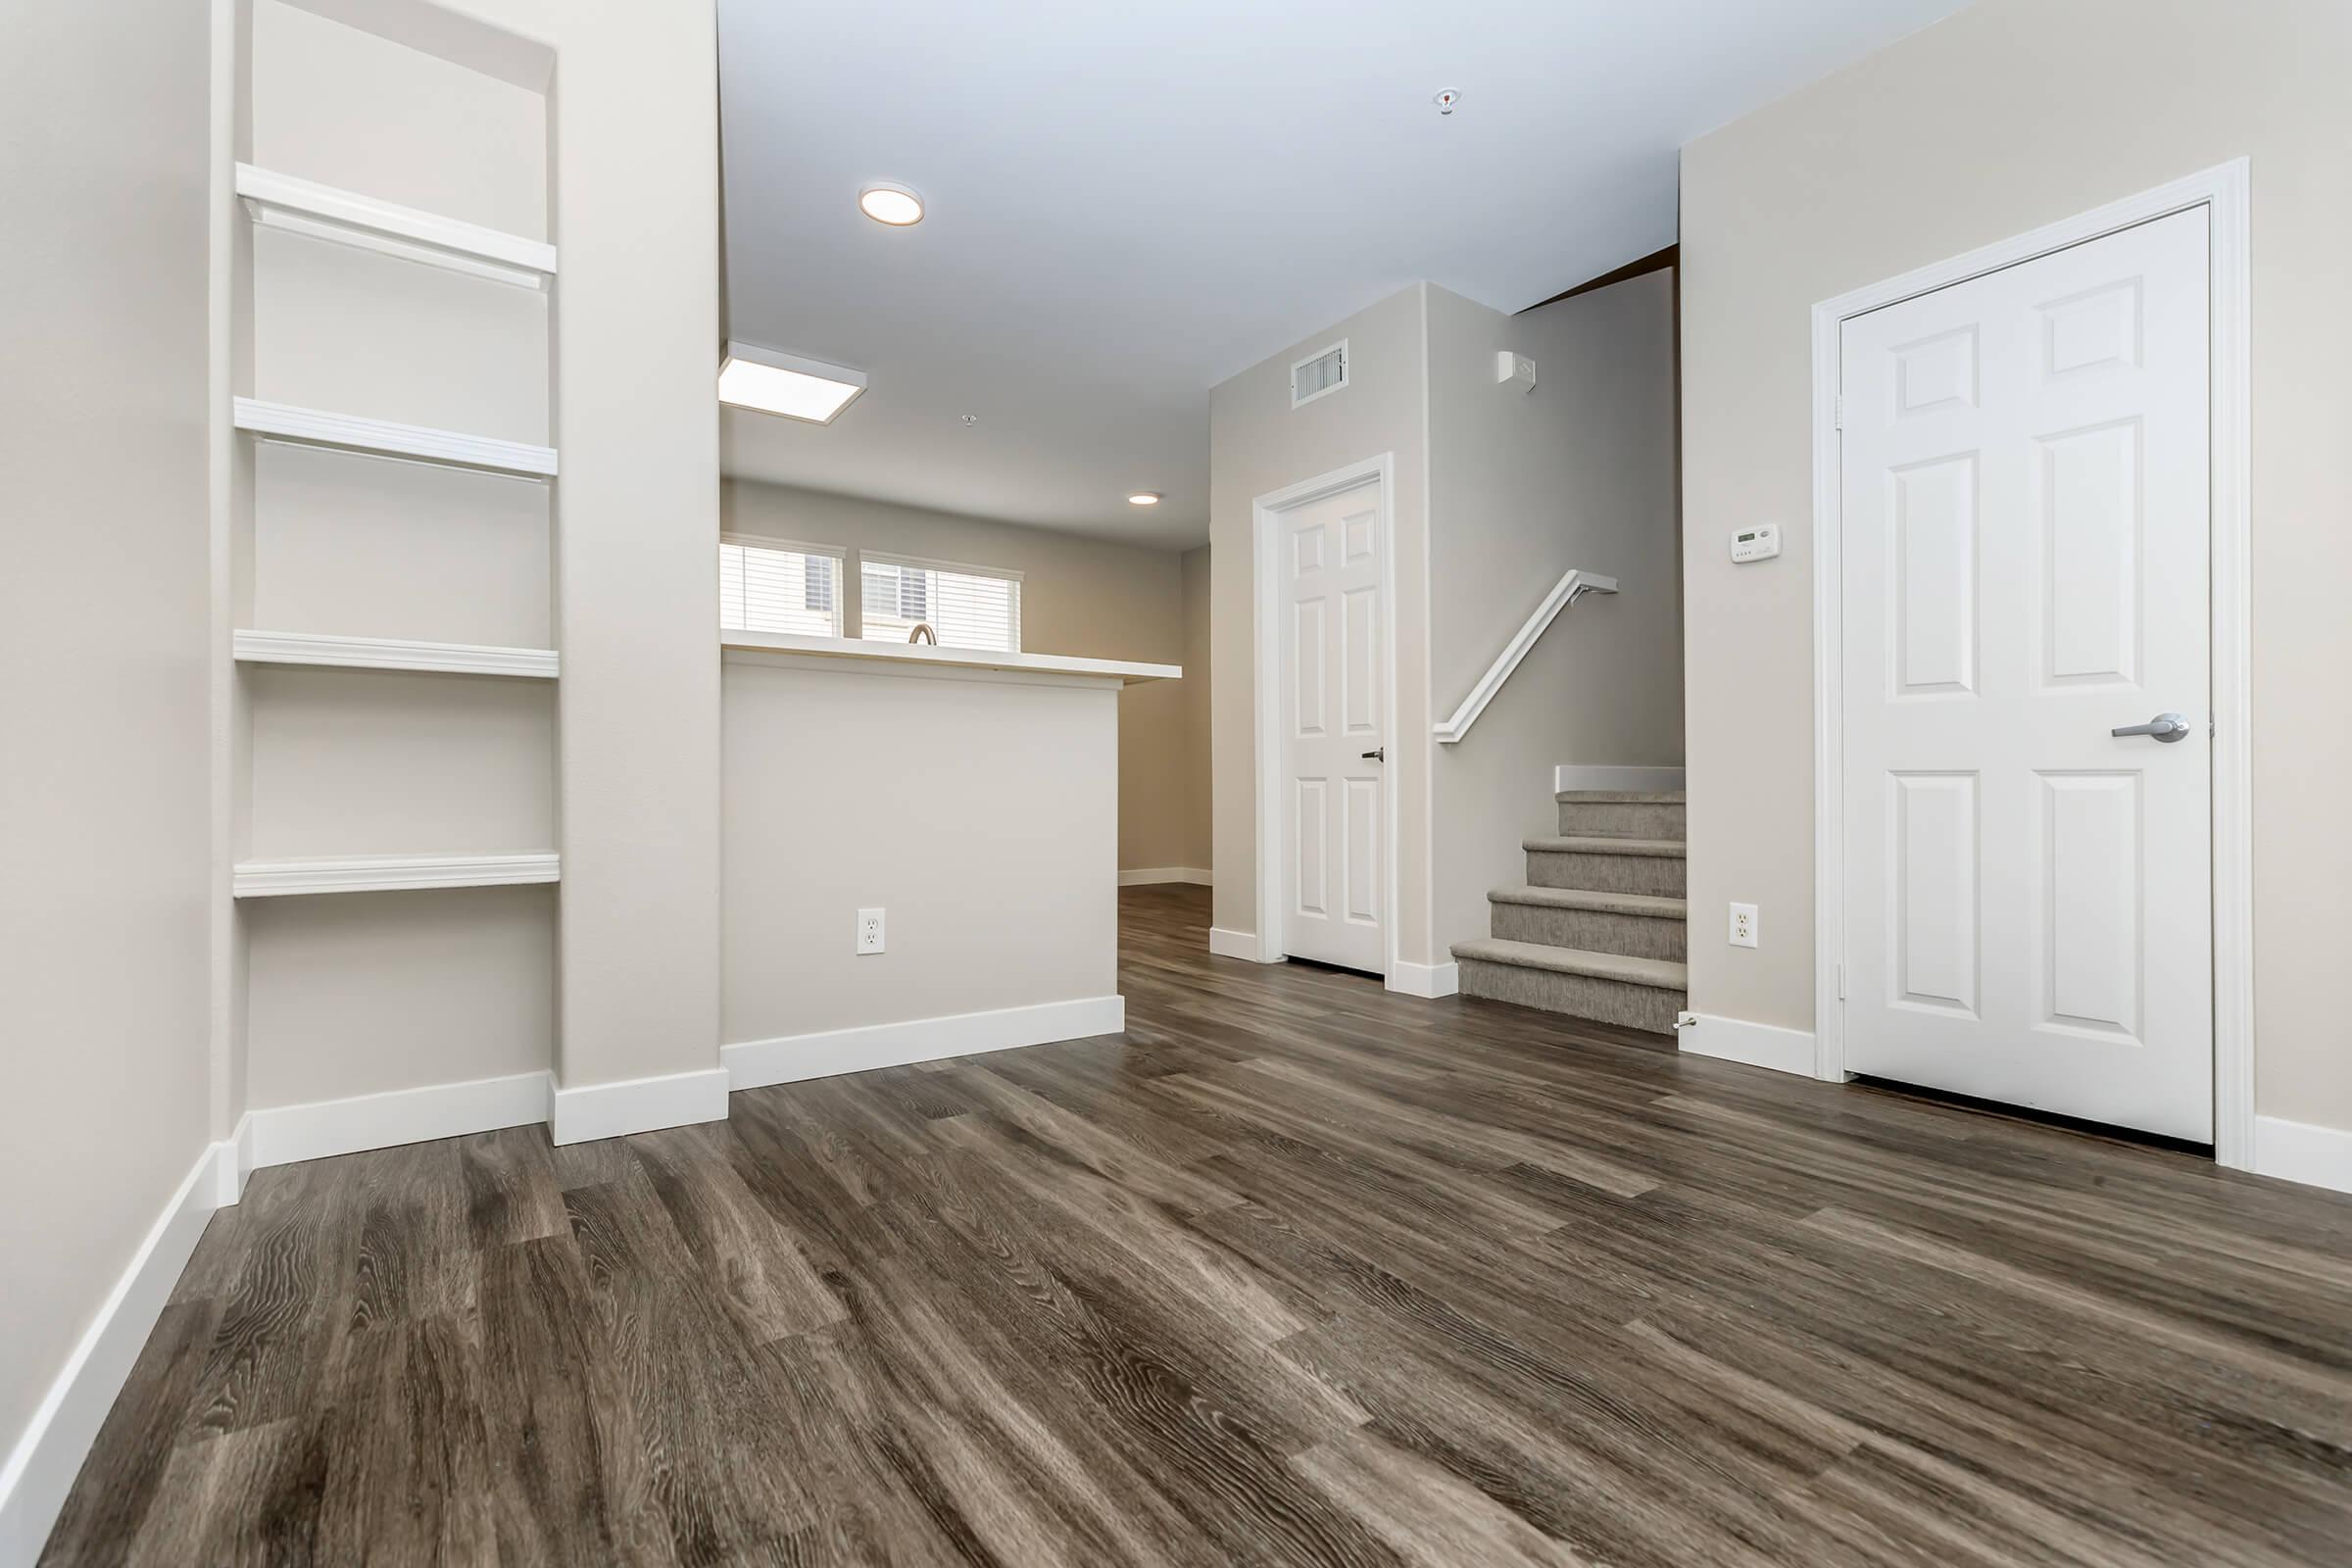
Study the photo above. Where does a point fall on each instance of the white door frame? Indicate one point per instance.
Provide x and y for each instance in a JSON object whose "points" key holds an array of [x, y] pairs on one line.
{"points": [[2223, 191], [1265, 587]]}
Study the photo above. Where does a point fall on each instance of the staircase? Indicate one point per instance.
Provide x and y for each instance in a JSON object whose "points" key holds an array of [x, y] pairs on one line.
{"points": [[1600, 931]]}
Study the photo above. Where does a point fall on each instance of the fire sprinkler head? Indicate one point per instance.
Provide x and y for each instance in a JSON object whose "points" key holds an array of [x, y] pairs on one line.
{"points": [[1446, 99]]}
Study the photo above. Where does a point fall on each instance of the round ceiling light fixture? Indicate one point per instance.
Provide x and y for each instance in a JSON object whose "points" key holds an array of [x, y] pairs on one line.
{"points": [[1143, 498], [895, 205]]}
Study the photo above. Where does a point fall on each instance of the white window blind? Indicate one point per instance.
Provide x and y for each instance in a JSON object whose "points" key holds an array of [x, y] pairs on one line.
{"points": [[788, 588], [965, 607]]}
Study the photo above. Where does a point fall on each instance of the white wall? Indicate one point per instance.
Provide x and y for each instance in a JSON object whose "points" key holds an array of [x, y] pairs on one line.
{"points": [[1093, 598], [979, 811], [1579, 473], [1259, 443], [104, 677], [2008, 115]]}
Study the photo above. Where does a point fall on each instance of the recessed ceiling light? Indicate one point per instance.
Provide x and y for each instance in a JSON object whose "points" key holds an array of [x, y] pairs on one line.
{"points": [[1143, 498], [752, 378], [890, 203]]}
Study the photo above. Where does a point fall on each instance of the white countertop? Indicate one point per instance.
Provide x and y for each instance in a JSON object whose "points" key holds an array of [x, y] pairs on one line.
{"points": [[920, 653]]}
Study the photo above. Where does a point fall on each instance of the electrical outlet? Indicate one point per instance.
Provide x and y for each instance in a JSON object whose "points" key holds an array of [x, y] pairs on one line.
{"points": [[1744, 925], [869, 930]]}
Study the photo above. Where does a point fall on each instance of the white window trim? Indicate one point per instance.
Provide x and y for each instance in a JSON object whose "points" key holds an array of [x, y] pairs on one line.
{"points": [[1347, 372], [926, 564], [840, 555]]}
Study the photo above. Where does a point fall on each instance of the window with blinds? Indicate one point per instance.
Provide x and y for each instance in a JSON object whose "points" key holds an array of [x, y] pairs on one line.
{"points": [[770, 587], [965, 607]]}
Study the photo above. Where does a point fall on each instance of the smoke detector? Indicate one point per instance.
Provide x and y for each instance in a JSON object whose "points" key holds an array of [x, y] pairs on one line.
{"points": [[1446, 99]]}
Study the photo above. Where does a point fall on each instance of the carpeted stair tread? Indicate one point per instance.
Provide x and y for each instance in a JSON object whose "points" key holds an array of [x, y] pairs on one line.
{"points": [[1658, 972], [1660, 849], [1623, 797], [1654, 904]]}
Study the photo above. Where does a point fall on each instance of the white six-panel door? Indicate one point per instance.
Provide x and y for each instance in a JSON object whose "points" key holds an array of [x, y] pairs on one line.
{"points": [[2027, 547], [1333, 707]]}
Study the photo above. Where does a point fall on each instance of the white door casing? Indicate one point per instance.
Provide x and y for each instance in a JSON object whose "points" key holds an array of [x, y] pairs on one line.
{"points": [[1334, 670], [2027, 564]]}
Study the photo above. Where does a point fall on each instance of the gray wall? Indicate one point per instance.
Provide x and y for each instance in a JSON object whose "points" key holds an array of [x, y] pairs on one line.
{"points": [[1088, 597], [1523, 486], [105, 821], [1903, 160]]}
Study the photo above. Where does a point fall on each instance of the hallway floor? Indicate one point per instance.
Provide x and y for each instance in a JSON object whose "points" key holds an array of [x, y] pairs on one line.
{"points": [[1296, 1271]]}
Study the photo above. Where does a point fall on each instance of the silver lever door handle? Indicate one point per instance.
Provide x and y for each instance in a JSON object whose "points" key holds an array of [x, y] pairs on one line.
{"points": [[2165, 727]]}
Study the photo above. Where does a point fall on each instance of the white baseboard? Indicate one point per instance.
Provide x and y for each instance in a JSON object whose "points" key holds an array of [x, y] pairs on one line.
{"points": [[639, 1106], [1759, 1045], [1647, 780], [284, 1134], [40, 1469], [1425, 979], [789, 1059], [1226, 944], [1147, 876], [2298, 1151]]}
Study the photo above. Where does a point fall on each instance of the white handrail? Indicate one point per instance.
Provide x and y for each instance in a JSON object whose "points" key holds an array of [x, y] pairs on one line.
{"points": [[1567, 591]]}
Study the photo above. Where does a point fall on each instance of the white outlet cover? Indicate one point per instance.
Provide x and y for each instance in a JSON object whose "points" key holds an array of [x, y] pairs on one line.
{"points": [[869, 930], [1743, 932]]}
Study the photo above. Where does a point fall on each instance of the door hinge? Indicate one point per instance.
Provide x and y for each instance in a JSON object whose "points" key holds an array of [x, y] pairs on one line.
{"points": [[1837, 412], [1842, 982]]}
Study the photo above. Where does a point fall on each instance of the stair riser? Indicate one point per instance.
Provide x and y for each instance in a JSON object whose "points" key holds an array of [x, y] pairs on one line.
{"points": [[1575, 994], [1622, 819], [1636, 936], [1609, 873]]}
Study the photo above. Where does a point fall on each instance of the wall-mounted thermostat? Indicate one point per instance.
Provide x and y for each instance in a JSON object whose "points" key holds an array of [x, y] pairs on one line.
{"points": [[1516, 369], [1760, 543]]}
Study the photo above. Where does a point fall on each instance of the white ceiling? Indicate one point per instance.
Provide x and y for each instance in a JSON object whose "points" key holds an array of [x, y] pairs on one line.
{"points": [[1131, 199]]}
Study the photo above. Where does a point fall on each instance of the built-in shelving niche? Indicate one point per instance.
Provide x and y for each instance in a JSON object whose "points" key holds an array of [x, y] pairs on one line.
{"points": [[393, 738]]}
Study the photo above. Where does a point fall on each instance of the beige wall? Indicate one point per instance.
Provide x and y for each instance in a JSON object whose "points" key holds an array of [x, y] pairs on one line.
{"points": [[104, 677], [1258, 443], [2011, 114], [976, 811], [635, 208], [1579, 473], [1200, 796], [1088, 597]]}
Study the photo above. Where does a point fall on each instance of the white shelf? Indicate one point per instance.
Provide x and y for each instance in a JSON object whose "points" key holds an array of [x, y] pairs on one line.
{"points": [[391, 873], [380, 653], [322, 211], [1126, 671], [283, 422]]}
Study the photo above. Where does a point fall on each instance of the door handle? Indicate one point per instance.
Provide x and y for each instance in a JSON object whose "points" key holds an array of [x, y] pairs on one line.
{"points": [[1380, 756], [2165, 727]]}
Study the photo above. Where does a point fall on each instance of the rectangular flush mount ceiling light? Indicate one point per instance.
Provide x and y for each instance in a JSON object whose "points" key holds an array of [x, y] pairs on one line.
{"points": [[752, 377]]}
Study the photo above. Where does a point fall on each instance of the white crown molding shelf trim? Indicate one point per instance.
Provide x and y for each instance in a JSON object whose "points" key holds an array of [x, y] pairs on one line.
{"points": [[285, 1134], [790, 1058], [40, 1469], [347, 218], [922, 658], [392, 873], [1756, 1045], [1425, 979], [1152, 875], [2299, 1151], [1632, 780], [351, 432], [1244, 944], [639, 1106], [381, 653]]}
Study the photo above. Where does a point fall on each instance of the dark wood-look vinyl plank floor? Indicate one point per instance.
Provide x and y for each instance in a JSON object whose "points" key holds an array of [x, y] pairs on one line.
{"points": [[1295, 1271]]}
